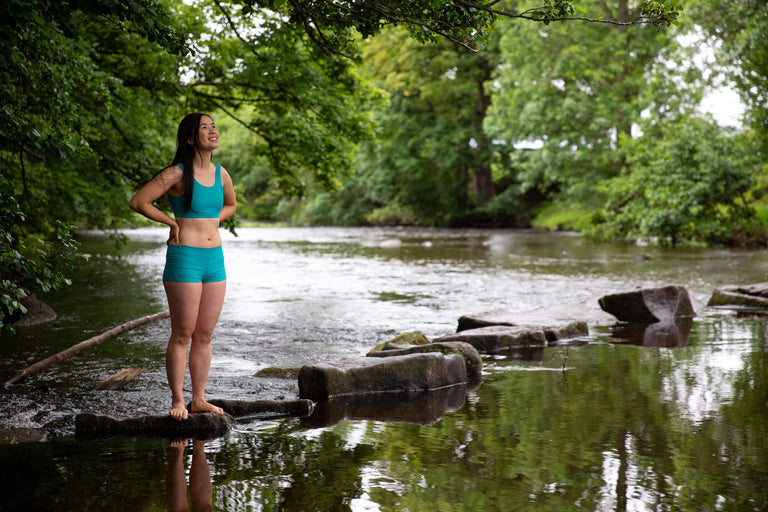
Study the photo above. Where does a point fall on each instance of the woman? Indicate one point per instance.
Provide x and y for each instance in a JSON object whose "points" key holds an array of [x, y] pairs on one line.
{"points": [[201, 195]]}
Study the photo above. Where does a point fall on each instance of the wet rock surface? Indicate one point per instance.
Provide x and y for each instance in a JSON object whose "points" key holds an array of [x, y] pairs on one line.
{"points": [[495, 338], [265, 408], [551, 316], [649, 305], [470, 354], [751, 296], [398, 374], [197, 426], [22, 435]]}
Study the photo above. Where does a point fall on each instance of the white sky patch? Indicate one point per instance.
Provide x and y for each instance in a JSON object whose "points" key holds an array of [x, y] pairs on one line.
{"points": [[722, 101]]}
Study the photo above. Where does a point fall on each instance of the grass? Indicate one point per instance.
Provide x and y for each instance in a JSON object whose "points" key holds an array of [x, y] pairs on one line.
{"points": [[560, 217]]}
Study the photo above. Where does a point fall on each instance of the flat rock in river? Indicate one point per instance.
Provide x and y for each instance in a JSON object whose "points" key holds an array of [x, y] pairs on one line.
{"points": [[752, 296], [370, 375], [499, 338], [470, 354], [197, 426], [547, 317]]}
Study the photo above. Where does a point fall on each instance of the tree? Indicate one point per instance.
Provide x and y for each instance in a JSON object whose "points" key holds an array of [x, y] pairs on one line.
{"points": [[76, 81], [739, 30], [584, 90], [92, 89], [305, 108], [431, 155], [334, 25], [684, 180]]}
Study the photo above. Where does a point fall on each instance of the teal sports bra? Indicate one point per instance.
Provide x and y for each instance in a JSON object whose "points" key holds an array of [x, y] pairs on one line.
{"points": [[207, 202]]}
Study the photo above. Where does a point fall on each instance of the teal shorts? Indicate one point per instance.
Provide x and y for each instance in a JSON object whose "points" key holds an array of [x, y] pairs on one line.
{"points": [[185, 264]]}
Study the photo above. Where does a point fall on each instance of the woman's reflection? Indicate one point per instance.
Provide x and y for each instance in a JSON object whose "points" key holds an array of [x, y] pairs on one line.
{"points": [[200, 487]]}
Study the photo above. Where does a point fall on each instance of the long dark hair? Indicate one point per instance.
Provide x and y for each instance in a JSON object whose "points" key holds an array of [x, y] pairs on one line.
{"points": [[189, 129]]}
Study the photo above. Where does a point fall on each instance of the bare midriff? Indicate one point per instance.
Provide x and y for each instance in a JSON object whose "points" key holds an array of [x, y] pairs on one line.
{"points": [[199, 232]]}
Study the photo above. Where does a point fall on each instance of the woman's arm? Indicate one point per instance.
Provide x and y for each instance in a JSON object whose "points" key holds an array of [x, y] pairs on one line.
{"points": [[230, 201], [141, 202]]}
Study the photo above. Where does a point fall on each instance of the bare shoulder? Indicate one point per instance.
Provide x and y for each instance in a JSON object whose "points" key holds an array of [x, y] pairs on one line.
{"points": [[168, 179], [172, 173], [225, 177]]}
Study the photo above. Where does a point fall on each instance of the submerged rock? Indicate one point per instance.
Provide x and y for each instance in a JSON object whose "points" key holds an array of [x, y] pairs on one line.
{"points": [[37, 312], [198, 426], [22, 435], [470, 354], [649, 305], [404, 373]]}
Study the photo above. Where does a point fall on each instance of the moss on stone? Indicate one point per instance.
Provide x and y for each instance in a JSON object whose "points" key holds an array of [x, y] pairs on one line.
{"points": [[278, 373]]}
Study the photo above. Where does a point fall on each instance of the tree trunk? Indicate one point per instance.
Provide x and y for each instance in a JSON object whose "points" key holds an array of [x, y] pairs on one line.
{"points": [[76, 349]]}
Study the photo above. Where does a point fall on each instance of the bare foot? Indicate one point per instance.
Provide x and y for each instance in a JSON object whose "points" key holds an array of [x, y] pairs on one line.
{"points": [[179, 411], [203, 406]]}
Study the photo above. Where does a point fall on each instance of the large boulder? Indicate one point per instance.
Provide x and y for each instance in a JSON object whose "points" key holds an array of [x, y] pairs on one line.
{"points": [[197, 426], [649, 305], [499, 338], [749, 297], [470, 354], [405, 373]]}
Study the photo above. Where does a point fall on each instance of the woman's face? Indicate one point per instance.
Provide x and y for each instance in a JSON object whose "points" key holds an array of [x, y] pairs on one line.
{"points": [[207, 135]]}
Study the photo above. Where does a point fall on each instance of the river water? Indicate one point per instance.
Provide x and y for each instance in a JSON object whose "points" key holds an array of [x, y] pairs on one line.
{"points": [[599, 425]]}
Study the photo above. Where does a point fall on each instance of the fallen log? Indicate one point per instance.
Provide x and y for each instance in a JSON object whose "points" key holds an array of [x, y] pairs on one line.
{"points": [[76, 349]]}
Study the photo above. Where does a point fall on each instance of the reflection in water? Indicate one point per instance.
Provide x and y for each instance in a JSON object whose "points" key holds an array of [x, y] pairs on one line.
{"points": [[673, 333], [424, 408], [200, 487]]}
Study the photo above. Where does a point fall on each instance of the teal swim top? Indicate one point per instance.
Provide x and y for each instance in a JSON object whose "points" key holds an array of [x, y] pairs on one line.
{"points": [[207, 202]]}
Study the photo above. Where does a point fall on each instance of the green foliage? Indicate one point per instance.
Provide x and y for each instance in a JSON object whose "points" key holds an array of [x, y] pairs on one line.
{"points": [[85, 96], [305, 109], [28, 262], [559, 217], [739, 30], [332, 26], [431, 157], [574, 100], [684, 180]]}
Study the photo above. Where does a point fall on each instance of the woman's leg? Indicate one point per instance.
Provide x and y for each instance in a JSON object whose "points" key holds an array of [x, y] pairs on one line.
{"points": [[184, 304], [211, 302]]}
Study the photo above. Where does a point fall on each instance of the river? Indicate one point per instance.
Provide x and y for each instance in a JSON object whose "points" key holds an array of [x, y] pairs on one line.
{"points": [[600, 425]]}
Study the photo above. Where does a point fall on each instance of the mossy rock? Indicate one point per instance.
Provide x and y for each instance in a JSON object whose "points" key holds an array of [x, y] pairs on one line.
{"points": [[278, 373], [403, 340]]}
